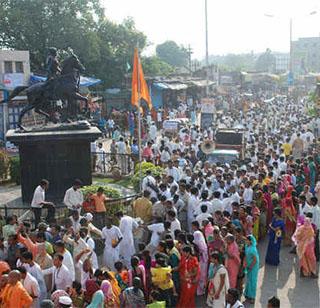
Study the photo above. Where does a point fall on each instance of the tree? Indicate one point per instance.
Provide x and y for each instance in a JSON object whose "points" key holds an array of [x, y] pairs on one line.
{"points": [[104, 47], [266, 62], [172, 53], [154, 66]]}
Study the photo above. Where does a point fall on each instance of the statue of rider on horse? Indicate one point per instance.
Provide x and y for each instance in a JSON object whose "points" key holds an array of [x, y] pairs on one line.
{"points": [[62, 84]]}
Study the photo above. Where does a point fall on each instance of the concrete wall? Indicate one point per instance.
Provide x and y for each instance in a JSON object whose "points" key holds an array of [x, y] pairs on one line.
{"points": [[15, 56]]}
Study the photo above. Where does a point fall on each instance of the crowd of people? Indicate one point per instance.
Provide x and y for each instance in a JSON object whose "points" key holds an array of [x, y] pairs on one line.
{"points": [[191, 238]]}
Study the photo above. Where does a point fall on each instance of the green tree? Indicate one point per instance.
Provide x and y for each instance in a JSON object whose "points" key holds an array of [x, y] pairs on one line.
{"points": [[172, 53], [153, 66], [104, 47], [266, 62]]}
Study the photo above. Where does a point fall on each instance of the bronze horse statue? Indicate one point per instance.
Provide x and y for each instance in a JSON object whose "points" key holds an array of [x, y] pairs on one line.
{"points": [[64, 87]]}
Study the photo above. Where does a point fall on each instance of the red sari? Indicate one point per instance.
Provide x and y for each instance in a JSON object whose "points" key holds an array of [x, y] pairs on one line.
{"points": [[188, 285], [289, 214]]}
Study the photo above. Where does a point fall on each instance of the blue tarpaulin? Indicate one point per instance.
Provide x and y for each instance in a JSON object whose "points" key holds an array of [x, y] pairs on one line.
{"points": [[84, 81]]}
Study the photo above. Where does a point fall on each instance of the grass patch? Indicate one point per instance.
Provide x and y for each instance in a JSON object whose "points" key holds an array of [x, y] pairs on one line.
{"points": [[126, 182]]}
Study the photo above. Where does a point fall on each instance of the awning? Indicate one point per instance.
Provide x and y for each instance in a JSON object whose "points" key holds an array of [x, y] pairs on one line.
{"points": [[176, 86], [84, 81], [201, 83]]}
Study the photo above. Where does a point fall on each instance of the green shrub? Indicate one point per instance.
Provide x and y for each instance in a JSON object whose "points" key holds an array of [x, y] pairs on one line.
{"points": [[155, 171], [108, 191], [4, 164], [15, 174], [112, 193]]}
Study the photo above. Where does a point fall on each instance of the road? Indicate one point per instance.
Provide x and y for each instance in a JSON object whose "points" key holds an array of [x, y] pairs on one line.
{"points": [[283, 281]]}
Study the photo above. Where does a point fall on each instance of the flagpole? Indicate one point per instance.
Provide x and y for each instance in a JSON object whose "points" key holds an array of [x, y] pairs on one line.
{"points": [[139, 122]]}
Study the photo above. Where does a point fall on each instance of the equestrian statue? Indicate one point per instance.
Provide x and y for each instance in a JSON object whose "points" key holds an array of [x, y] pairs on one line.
{"points": [[62, 84]]}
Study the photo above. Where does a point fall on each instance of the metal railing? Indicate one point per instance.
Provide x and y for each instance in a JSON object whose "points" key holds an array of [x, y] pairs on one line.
{"points": [[110, 163], [24, 211]]}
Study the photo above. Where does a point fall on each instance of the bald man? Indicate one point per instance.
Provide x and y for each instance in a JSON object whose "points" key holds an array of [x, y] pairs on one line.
{"points": [[14, 294]]}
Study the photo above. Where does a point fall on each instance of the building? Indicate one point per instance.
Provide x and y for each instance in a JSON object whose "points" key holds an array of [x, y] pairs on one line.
{"points": [[14, 68], [282, 61], [14, 72], [306, 55]]}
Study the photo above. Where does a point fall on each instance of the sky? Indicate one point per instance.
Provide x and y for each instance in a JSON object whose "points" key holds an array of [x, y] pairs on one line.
{"points": [[235, 26]]}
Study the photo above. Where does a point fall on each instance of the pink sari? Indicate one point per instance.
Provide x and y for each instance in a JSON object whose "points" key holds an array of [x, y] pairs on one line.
{"points": [[304, 239], [233, 263], [200, 241]]}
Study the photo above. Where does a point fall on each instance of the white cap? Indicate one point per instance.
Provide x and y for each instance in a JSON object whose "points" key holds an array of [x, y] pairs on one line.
{"points": [[65, 300], [88, 216]]}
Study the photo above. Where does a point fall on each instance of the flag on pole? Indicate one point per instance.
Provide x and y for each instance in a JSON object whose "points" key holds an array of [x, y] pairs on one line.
{"points": [[139, 85]]}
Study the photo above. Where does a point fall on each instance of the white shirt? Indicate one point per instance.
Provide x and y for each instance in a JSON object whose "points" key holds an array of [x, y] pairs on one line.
{"points": [[201, 217], [38, 197], [156, 230], [68, 262], [145, 185], [247, 195], [72, 198], [217, 205], [61, 277], [175, 225], [121, 147], [174, 172], [32, 287], [306, 209]]}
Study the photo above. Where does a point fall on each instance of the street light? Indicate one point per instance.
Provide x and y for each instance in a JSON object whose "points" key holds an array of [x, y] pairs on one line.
{"points": [[207, 47], [290, 77]]}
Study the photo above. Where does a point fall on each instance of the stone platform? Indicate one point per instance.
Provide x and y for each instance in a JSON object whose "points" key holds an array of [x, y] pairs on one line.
{"points": [[59, 156]]}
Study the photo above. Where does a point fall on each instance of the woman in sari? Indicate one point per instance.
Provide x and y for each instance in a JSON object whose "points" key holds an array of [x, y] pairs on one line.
{"points": [[233, 260], [200, 241], [268, 198], [304, 240], [290, 215], [262, 205], [109, 298], [189, 271], [137, 271], [115, 288], [98, 300], [276, 229], [300, 182], [251, 268], [218, 282]]}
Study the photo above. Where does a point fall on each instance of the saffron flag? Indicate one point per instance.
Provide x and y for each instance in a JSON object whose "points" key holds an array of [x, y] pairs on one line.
{"points": [[139, 85]]}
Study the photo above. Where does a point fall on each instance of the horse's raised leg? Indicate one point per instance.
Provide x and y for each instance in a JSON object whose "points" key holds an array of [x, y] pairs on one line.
{"points": [[22, 113]]}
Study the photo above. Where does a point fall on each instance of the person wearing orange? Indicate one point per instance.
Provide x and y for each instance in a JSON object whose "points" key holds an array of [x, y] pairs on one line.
{"points": [[99, 199], [14, 294], [189, 271]]}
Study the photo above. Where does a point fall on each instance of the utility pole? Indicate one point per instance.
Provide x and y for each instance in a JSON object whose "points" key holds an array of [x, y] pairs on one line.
{"points": [[190, 52], [207, 48], [291, 58]]}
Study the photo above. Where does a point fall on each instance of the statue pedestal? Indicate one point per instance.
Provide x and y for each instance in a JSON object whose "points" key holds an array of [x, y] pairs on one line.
{"points": [[58, 156]]}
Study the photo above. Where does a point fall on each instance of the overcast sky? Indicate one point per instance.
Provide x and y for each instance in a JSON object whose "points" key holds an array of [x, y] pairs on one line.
{"points": [[235, 26]]}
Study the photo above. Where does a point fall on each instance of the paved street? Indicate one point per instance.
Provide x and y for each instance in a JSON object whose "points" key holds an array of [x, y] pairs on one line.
{"points": [[283, 281]]}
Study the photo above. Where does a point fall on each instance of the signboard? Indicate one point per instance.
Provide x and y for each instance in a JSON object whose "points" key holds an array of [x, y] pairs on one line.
{"points": [[170, 125], [207, 105], [13, 80], [206, 120]]}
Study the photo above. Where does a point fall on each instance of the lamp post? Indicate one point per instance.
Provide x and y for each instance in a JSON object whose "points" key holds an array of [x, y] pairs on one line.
{"points": [[207, 48], [290, 76]]}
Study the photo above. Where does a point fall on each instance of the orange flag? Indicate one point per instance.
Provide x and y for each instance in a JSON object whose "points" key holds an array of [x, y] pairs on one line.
{"points": [[139, 84]]}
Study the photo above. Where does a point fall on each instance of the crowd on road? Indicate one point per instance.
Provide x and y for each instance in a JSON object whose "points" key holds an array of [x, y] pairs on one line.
{"points": [[194, 231]]}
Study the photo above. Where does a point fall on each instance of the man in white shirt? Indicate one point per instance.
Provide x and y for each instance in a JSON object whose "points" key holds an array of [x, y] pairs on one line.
{"points": [[112, 237], [247, 194], [204, 215], [175, 223], [73, 197], [149, 184], [156, 229], [173, 171], [61, 276], [153, 132], [127, 226], [31, 285], [38, 202], [67, 259], [216, 203]]}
